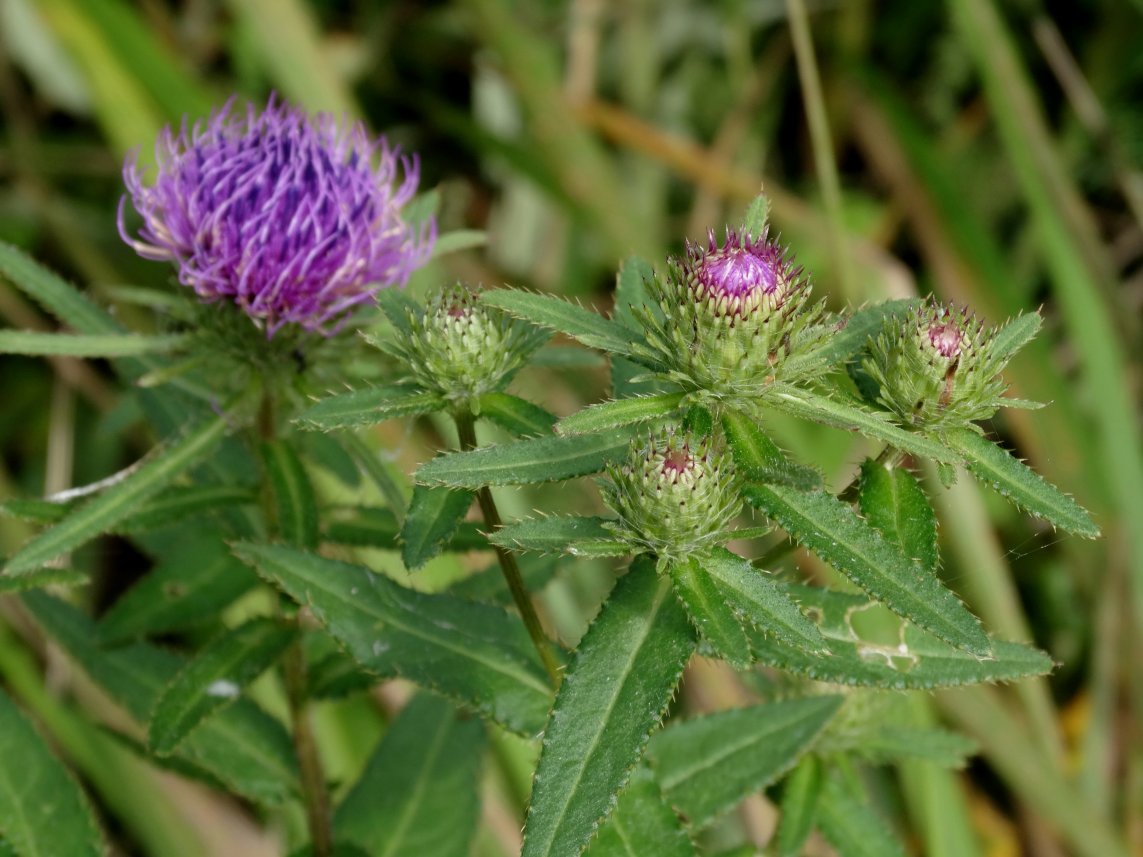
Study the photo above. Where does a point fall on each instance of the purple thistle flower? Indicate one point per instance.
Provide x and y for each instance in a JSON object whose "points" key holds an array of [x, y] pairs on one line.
{"points": [[293, 218], [741, 274]]}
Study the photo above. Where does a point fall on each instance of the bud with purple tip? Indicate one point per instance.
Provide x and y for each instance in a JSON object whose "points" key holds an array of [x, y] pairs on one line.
{"points": [[294, 219]]}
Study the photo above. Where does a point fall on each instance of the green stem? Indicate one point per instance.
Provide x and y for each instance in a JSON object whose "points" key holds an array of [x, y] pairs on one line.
{"points": [[466, 432]]}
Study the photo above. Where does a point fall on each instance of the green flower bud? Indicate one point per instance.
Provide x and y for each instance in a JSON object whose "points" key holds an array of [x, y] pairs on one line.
{"points": [[673, 495]]}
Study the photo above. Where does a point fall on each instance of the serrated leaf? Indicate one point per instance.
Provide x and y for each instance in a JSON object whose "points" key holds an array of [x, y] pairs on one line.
{"points": [[367, 407], [109, 508], [615, 692], [620, 412], [854, 417], [852, 826], [757, 218], [760, 600], [517, 415], [709, 764], [43, 811], [30, 342], [833, 531], [1020, 484], [419, 793], [712, 617], [896, 505], [919, 661], [1010, 337], [543, 459], [574, 535], [196, 579], [757, 457], [433, 518], [180, 502], [294, 502], [58, 297], [242, 747], [799, 806], [850, 339], [553, 313], [631, 291], [398, 306], [213, 679], [477, 654], [43, 577], [641, 825]]}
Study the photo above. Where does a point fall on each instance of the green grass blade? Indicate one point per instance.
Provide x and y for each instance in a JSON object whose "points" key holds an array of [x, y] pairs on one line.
{"points": [[31, 342], [851, 826], [615, 693], [799, 807], [367, 407], [54, 294], [621, 412]]}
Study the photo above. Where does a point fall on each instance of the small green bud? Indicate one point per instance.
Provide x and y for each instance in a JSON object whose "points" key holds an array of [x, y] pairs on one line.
{"points": [[673, 495]]}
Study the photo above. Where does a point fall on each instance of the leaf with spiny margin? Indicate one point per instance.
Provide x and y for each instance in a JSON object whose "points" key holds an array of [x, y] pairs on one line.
{"points": [[542, 459], [367, 407], [761, 601], [799, 807], [845, 343], [614, 694], [180, 502], [833, 531], [631, 291], [375, 527], [1010, 337], [757, 219], [920, 662], [419, 792], [757, 457], [294, 502], [42, 577], [433, 518], [243, 747], [707, 765], [57, 296], [517, 415], [398, 306], [852, 416], [103, 512], [851, 826], [882, 743], [192, 582], [1020, 484], [583, 325], [39, 343], [575, 535], [713, 617], [620, 412], [213, 679], [641, 825], [896, 505], [43, 811], [477, 654]]}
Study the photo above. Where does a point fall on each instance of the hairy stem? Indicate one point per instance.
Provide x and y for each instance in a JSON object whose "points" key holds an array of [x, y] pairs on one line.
{"points": [[466, 431]]}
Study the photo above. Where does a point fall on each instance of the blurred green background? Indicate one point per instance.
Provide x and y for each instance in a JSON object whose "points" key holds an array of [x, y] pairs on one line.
{"points": [[988, 152]]}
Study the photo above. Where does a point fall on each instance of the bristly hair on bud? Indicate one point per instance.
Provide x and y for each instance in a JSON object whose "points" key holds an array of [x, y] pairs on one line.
{"points": [[939, 366], [674, 495], [295, 219], [461, 348], [730, 315]]}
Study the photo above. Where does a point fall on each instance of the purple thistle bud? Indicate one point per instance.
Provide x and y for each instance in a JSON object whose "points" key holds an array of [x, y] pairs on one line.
{"points": [[293, 218], [946, 339], [742, 274]]}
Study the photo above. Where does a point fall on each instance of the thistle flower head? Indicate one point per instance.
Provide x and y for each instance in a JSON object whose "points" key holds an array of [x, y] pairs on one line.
{"points": [[739, 276], [295, 219], [674, 494]]}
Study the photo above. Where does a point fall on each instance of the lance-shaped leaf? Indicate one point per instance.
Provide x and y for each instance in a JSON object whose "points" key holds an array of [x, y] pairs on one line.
{"points": [[641, 825], [707, 765], [886, 743], [42, 577], [832, 530], [57, 296], [419, 793], [477, 654], [712, 616], [242, 747], [214, 679], [855, 417], [799, 806], [761, 601], [434, 515], [614, 694], [43, 811], [1011, 337], [919, 661], [519, 416], [574, 535], [852, 337], [88, 345], [543, 459], [1020, 484], [757, 457], [372, 526], [294, 501], [620, 412], [583, 325], [367, 407], [180, 502], [895, 504], [852, 826], [105, 511]]}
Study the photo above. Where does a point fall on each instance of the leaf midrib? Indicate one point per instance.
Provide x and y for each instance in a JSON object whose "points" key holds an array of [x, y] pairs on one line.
{"points": [[411, 806]]}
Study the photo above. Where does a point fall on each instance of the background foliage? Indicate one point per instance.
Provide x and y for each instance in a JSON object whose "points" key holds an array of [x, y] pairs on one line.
{"points": [[984, 151]]}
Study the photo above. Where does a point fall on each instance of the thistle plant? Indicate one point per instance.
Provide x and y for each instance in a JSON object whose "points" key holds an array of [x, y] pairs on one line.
{"points": [[295, 234]]}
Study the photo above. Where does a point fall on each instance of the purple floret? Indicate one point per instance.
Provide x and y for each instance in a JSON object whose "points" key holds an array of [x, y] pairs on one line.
{"points": [[294, 218], [740, 274]]}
